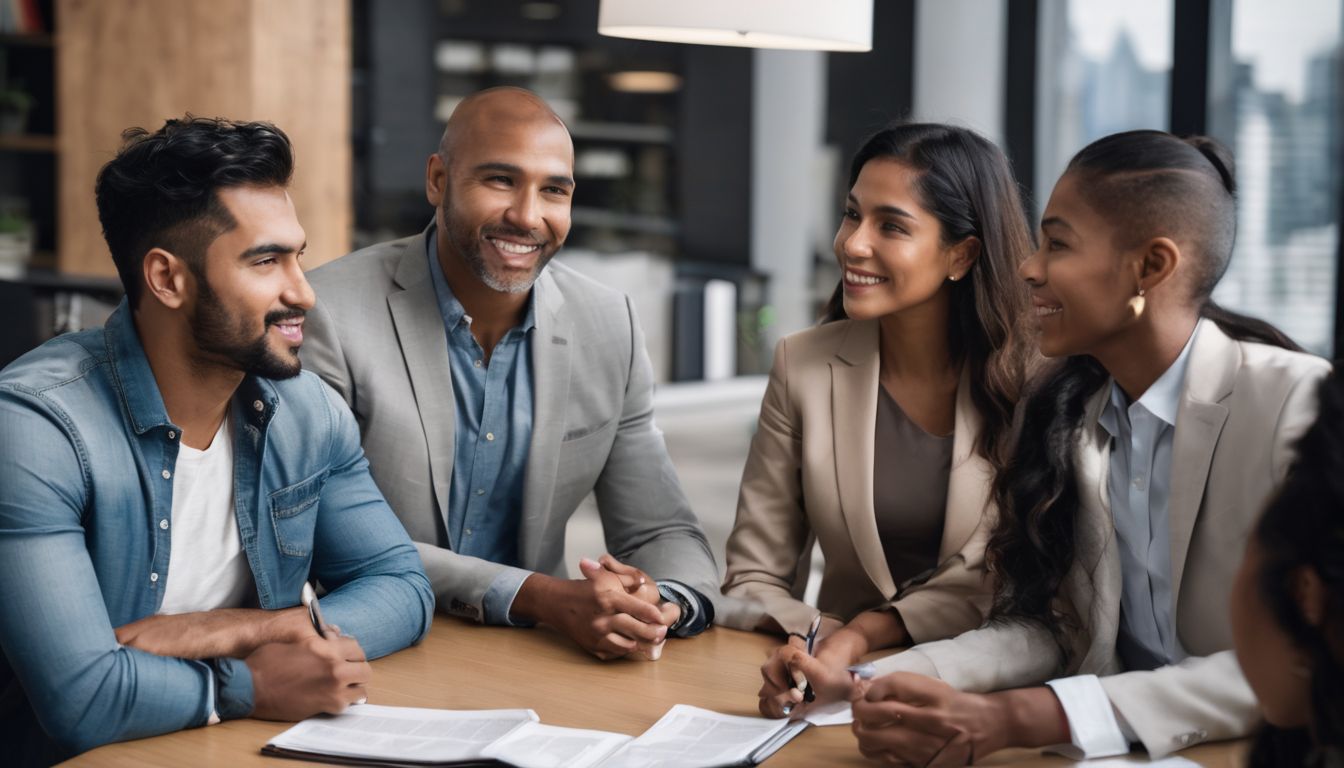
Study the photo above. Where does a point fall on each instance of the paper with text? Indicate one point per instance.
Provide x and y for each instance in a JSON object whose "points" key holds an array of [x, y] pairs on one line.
{"points": [[404, 733], [690, 737], [534, 745]]}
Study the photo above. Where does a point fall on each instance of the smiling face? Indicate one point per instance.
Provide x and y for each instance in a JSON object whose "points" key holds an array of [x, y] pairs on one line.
{"points": [[889, 247], [251, 295], [503, 191], [1080, 283]]}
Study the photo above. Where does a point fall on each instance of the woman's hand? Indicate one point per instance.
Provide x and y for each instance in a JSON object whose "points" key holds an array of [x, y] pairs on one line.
{"points": [[905, 718], [788, 672]]}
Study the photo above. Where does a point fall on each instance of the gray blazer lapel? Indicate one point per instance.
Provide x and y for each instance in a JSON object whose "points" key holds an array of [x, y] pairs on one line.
{"points": [[1213, 365], [550, 393], [424, 344], [854, 383]]}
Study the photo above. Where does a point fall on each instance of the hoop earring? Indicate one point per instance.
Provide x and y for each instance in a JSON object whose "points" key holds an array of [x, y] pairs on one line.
{"points": [[1137, 304]]}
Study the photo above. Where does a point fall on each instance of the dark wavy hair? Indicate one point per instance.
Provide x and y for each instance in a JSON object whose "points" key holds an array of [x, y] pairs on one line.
{"points": [[1303, 527], [1146, 184], [967, 184], [160, 189]]}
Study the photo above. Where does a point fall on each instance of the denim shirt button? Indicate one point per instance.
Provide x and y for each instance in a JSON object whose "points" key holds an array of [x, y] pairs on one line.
{"points": [[257, 404], [167, 474], [153, 577], [163, 525], [172, 435]]}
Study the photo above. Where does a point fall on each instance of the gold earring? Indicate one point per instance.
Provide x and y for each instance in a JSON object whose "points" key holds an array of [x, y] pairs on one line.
{"points": [[1137, 305], [953, 278]]}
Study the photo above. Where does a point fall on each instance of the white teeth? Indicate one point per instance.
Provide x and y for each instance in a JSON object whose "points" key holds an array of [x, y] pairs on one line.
{"points": [[856, 278], [1043, 311], [508, 247]]}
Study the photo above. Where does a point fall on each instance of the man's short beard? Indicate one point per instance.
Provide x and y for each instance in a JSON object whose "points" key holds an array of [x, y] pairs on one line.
{"points": [[465, 241], [217, 332]]}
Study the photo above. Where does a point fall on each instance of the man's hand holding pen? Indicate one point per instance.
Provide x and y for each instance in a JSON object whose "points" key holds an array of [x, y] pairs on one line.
{"points": [[323, 672]]}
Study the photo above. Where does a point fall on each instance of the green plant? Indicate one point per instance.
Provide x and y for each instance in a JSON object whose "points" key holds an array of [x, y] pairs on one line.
{"points": [[13, 99], [12, 222]]}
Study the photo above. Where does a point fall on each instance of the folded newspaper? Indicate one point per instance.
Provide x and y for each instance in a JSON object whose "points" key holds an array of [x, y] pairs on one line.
{"points": [[686, 737]]}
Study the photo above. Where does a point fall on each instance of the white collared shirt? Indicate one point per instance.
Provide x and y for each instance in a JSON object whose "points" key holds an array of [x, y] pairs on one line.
{"points": [[1139, 490]]}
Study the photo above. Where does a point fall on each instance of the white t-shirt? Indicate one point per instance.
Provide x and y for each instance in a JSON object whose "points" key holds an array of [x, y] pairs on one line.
{"points": [[207, 567]]}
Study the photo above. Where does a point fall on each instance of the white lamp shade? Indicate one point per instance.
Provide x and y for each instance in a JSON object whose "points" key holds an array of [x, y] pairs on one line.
{"points": [[820, 25]]}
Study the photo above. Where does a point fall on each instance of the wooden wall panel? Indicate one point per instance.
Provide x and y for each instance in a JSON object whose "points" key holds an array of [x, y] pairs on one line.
{"points": [[140, 62]]}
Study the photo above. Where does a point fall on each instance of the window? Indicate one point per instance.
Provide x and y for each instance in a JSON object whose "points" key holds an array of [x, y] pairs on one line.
{"points": [[1274, 100], [1102, 68]]}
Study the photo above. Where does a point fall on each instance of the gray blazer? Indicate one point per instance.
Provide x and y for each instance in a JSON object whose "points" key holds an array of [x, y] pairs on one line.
{"points": [[377, 337], [1243, 408]]}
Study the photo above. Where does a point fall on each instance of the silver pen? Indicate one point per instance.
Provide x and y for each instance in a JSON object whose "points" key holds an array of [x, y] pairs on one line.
{"points": [[309, 599], [808, 694]]}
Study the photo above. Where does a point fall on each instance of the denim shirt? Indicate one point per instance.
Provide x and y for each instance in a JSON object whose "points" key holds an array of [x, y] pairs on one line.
{"points": [[87, 455]]}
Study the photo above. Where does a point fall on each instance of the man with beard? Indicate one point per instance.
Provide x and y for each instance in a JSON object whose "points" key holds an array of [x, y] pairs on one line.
{"points": [[169, 482], [494, 393]]}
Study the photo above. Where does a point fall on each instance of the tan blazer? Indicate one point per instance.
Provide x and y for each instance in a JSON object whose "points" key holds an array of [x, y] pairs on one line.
{"points": [[810, 471], [1242, 409]]}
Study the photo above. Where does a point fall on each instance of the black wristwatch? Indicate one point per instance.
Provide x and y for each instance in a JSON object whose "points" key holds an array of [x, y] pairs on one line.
{"points": [[671, 595]]}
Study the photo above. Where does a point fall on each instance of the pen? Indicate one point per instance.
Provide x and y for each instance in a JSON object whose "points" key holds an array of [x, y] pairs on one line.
{"points": [[808, 694], [309, 599], [308, 596]]}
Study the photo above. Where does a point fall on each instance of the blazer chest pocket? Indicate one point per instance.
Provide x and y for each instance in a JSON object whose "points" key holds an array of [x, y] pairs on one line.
{"points": [[581, 433], [294, 515]]}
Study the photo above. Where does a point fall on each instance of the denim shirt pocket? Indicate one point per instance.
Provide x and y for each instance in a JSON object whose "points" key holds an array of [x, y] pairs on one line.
{"points": [[294, 515]]}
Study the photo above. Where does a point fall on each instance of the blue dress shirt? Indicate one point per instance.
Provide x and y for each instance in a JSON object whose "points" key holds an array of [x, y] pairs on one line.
{"points": [[1139, 486], [493, 405]]}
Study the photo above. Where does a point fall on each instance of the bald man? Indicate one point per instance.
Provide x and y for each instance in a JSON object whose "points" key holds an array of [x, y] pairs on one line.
{"points": [[494, 392]]}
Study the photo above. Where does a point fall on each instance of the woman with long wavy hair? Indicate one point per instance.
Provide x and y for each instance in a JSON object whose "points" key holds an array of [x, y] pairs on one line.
{"points": [[882, 428], [1144, 459]]}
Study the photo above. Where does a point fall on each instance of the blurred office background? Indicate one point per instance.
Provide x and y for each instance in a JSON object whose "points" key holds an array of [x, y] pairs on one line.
{"points": [[709, 178]]}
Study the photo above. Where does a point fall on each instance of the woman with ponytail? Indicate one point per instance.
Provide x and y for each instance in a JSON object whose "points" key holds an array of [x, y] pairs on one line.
{"points": [[1288, 603], [1143, 461], [882, 428]]}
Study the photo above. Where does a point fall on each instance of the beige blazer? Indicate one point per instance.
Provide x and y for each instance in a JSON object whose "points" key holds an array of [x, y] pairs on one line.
{"points": [[1242, 409], [810, 473]]}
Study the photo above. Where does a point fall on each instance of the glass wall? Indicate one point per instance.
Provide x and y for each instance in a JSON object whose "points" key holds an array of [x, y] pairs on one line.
{"points": [[1274, 99], [1102, 68]]}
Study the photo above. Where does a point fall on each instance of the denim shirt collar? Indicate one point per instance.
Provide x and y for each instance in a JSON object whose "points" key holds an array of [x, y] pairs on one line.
{"points": [[139, 390], [452, 310]]}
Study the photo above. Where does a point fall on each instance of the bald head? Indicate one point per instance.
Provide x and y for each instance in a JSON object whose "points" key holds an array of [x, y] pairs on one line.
{"points": [[493, 109], [502, 183]]}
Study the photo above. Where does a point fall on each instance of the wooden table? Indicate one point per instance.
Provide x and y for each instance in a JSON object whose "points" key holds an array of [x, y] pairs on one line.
{"points": [[465, 666]]}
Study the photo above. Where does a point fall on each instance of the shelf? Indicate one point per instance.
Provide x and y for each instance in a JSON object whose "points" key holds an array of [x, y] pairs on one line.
{"points": [[41, 278], [30, 41], [630, 222], [629, 133], [27, 142]]}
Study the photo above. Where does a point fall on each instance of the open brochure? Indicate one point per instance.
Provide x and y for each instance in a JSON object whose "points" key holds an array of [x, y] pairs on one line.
{"points": [[686, 737]]}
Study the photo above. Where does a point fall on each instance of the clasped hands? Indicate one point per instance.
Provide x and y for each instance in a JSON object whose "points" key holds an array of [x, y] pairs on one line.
{"points": [[614, 611]]}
